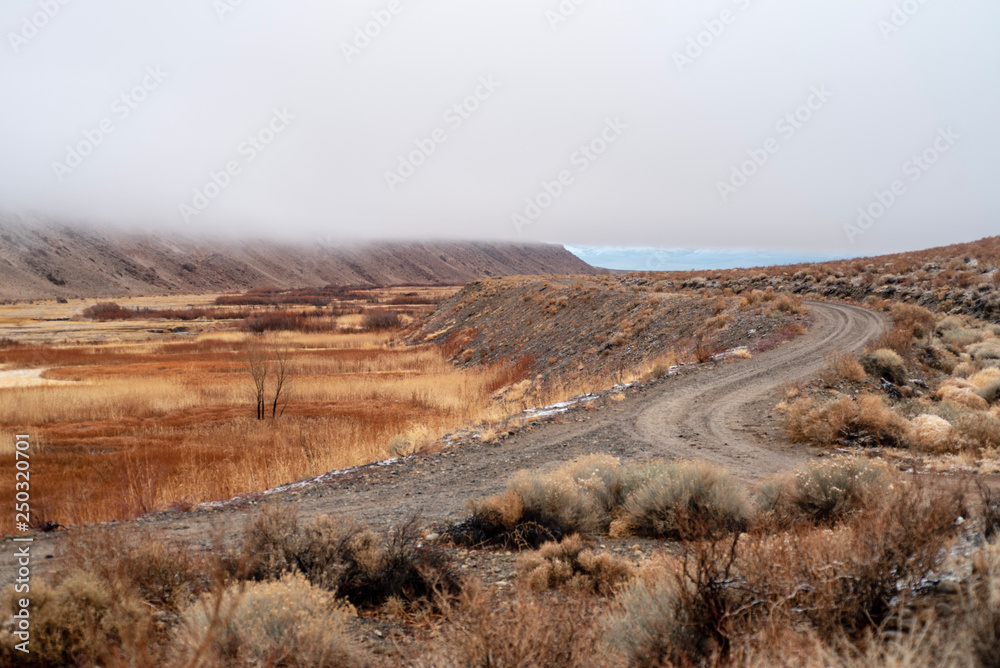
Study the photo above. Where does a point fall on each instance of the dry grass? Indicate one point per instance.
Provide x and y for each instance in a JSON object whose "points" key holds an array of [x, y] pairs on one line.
{"points": [[137, 427]]}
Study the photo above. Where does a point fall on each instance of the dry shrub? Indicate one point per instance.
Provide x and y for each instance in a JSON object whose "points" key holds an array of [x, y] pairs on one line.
{"points": [[79, 622], [931, 433], [988, 383], [826, 493], [107, 311], [950, 323], [843, 366], [162, 574], [862, 421], [704, 351], [537, 508], [961, 392], [961, 338], [685, 500], [916, 319], [898, 340], [885, 364], [985, 378], [748, 592], [486, 629], [987, 350], [346, 558], [285, 623], [964, 370], [982, 428], [379, 320], [983, 608], [790, 304], [573, 566]]}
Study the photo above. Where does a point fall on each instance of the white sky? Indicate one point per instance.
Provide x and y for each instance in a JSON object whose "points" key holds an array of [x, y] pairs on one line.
{"points": [[656, 185]]}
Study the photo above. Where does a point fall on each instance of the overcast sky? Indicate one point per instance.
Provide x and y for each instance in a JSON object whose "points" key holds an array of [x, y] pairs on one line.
{"points": [[720, 123]]}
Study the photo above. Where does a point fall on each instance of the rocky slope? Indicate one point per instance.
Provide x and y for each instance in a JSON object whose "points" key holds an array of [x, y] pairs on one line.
{"points": [[45, 261], [958, 279]]}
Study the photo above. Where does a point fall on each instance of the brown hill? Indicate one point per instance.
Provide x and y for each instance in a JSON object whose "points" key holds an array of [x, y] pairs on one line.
{"points": [[44, 261]]}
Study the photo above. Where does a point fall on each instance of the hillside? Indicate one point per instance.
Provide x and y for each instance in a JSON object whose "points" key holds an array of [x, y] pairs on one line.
{"points": [[957, 279], [62, 261]]}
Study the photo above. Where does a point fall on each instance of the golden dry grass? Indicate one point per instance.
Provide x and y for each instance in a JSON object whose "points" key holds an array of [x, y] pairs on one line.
{"points": [[134, 427]]}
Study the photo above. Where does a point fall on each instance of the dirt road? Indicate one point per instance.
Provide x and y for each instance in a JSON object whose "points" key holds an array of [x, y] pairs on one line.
{"points": [[721, 413]]}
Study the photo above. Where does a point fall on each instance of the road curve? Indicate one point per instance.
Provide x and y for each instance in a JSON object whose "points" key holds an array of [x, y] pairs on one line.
{"points": [[724, 415]]}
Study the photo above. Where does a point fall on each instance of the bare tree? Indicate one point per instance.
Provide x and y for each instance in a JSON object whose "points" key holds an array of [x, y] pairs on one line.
{"points": [[266, 357], [282, 357], [258, 367]]}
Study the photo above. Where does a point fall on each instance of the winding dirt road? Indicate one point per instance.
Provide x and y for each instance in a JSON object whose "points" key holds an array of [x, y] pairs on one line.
{"points": [[723, 414]]}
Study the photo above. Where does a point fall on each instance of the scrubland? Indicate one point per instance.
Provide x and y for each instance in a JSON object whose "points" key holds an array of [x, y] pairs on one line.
{"points": [[844, 563], [927, 391]]}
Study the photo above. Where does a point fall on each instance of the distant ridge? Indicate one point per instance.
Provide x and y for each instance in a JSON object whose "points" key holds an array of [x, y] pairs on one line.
{"points": [[53, 260]]}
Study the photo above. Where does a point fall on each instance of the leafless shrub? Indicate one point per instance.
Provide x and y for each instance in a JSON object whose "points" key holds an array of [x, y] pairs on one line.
{"points": [[485, 629], [573, 566], [343, 557]]}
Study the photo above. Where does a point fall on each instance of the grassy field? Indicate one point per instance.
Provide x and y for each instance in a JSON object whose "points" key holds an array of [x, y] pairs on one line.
{"points": [[128, 417]]}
